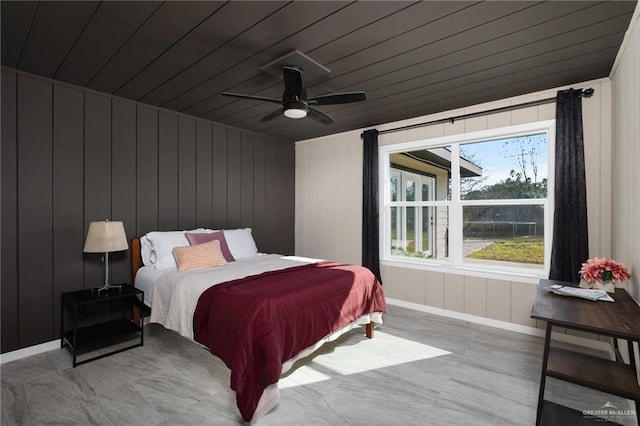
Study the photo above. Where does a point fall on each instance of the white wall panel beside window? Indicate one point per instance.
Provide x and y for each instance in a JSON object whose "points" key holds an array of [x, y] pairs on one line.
{"points": [[435, 289], [433, 131], [455, 128], [454, 292], [476, 124], [417, 134], [400, 279], [327, 189], [387, 281], [597, 120], [522, 296], [524, 115], [499, 300], [475, 296], [344, 227], [606, 181], [547, 111], [329, 200], [417, 291], [625, 197], [302, 205], [501, 119], [354, 194]]}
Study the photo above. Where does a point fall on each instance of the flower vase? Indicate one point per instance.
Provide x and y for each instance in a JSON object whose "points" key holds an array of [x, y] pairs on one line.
{"points": [[607, 286]]}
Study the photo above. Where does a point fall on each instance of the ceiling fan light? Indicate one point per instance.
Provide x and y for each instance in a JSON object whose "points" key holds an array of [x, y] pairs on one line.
{"points": [[295, 112]]}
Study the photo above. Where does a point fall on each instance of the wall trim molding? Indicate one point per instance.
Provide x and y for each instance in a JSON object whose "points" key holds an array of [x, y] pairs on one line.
{"points": [[29, 351], [560, 337], [524, 329], [40, 348], [599, 345]]}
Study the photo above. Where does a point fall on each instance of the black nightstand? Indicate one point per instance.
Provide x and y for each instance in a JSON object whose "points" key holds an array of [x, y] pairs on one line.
{"points": [[102, 323]]}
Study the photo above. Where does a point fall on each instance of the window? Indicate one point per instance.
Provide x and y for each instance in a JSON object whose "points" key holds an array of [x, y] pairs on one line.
{"points": [[477, 200], [412, 228]]}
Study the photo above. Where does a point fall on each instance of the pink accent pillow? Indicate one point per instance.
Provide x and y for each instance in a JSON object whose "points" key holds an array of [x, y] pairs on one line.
{"points": [[199, 256], [201, 238]]}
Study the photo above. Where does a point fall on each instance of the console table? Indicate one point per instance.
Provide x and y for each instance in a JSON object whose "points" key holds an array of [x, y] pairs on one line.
{"points": [[618, 320]]}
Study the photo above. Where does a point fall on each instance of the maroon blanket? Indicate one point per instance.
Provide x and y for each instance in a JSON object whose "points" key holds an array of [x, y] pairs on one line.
{"points": [[256, 323]]}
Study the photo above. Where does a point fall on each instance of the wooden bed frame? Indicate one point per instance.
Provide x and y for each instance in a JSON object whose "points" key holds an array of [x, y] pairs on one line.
{"points": [[136, 258], [136, 263]]}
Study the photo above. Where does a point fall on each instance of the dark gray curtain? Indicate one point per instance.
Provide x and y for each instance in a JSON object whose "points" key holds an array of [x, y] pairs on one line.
{"points": [[570, 247], [370, 229]]}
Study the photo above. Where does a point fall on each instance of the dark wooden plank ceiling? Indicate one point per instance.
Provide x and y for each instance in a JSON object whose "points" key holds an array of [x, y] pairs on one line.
{"points": [[412, 58]]}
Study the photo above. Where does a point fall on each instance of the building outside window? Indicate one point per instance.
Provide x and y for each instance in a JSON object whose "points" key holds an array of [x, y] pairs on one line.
{"points": [[477, 201]]}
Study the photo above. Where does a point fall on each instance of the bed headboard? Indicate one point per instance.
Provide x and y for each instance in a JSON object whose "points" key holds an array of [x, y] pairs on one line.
{"points": [[136, 258]]}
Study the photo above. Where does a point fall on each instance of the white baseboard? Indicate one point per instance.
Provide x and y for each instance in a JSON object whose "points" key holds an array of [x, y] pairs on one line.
{"points": [[38, 349], [31, 350], [560, 337], [467, 317]]}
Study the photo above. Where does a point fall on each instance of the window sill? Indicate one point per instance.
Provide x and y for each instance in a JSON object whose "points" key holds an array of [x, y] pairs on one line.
{"points": [[507, 274]]}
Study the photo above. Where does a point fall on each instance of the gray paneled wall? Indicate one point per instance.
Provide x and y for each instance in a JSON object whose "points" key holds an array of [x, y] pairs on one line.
{"points": [[72, 156]]}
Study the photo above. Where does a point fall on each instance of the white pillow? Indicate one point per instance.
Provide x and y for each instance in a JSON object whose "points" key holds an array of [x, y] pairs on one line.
{"points": [[160, 246], [241, 243], [145, 251]]}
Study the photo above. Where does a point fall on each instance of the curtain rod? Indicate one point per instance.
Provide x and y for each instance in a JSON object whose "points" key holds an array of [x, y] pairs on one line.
{"points": [[587, 93]]}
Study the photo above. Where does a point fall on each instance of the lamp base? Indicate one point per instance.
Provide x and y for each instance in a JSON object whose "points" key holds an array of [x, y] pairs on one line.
{"points": [[108, 287]]}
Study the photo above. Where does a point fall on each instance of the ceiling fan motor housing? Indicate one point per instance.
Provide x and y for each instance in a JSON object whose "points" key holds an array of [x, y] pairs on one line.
{"points": [[294, 99]]}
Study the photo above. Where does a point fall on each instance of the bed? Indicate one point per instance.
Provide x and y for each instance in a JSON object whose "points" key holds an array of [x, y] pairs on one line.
{"points": [[257, 312]]}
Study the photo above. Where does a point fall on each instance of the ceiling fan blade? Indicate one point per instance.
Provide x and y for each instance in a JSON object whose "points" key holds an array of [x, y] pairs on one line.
{"points": [[338, 98], [272, 115], [252, 97], [320, 117], [294, 87]]}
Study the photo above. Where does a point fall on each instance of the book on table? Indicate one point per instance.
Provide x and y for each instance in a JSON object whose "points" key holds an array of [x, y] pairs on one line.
{"points": [[583, 293]]}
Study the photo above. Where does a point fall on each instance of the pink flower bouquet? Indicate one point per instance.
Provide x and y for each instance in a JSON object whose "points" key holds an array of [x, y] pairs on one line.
{"points": [[601, 270]]}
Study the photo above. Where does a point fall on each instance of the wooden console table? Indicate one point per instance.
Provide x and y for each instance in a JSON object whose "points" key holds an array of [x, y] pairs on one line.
{"points": [[618, 320]]}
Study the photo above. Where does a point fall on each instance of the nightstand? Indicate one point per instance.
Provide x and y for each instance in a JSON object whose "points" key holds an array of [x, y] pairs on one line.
{"points": [[101, 323]]}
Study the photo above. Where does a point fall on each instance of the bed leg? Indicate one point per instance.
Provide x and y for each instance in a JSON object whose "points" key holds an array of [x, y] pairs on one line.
{"points": [[369, 330], [136, 315]]}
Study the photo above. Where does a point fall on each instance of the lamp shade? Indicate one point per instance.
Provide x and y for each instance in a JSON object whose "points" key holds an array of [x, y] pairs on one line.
{"points": [[104, 237]]}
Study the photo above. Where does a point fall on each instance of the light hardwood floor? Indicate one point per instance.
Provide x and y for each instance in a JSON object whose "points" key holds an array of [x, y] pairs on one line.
{"points": [[419, 369]]}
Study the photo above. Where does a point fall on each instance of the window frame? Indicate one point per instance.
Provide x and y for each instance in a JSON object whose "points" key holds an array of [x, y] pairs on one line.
{"points": [[420, 180], [454, 263]]}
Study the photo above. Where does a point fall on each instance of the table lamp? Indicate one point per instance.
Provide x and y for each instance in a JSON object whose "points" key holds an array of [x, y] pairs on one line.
{"points": [[105, 237]]}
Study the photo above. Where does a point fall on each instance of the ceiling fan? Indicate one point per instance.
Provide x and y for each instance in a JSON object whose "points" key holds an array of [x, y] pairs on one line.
{"points": [[294, 99]]}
